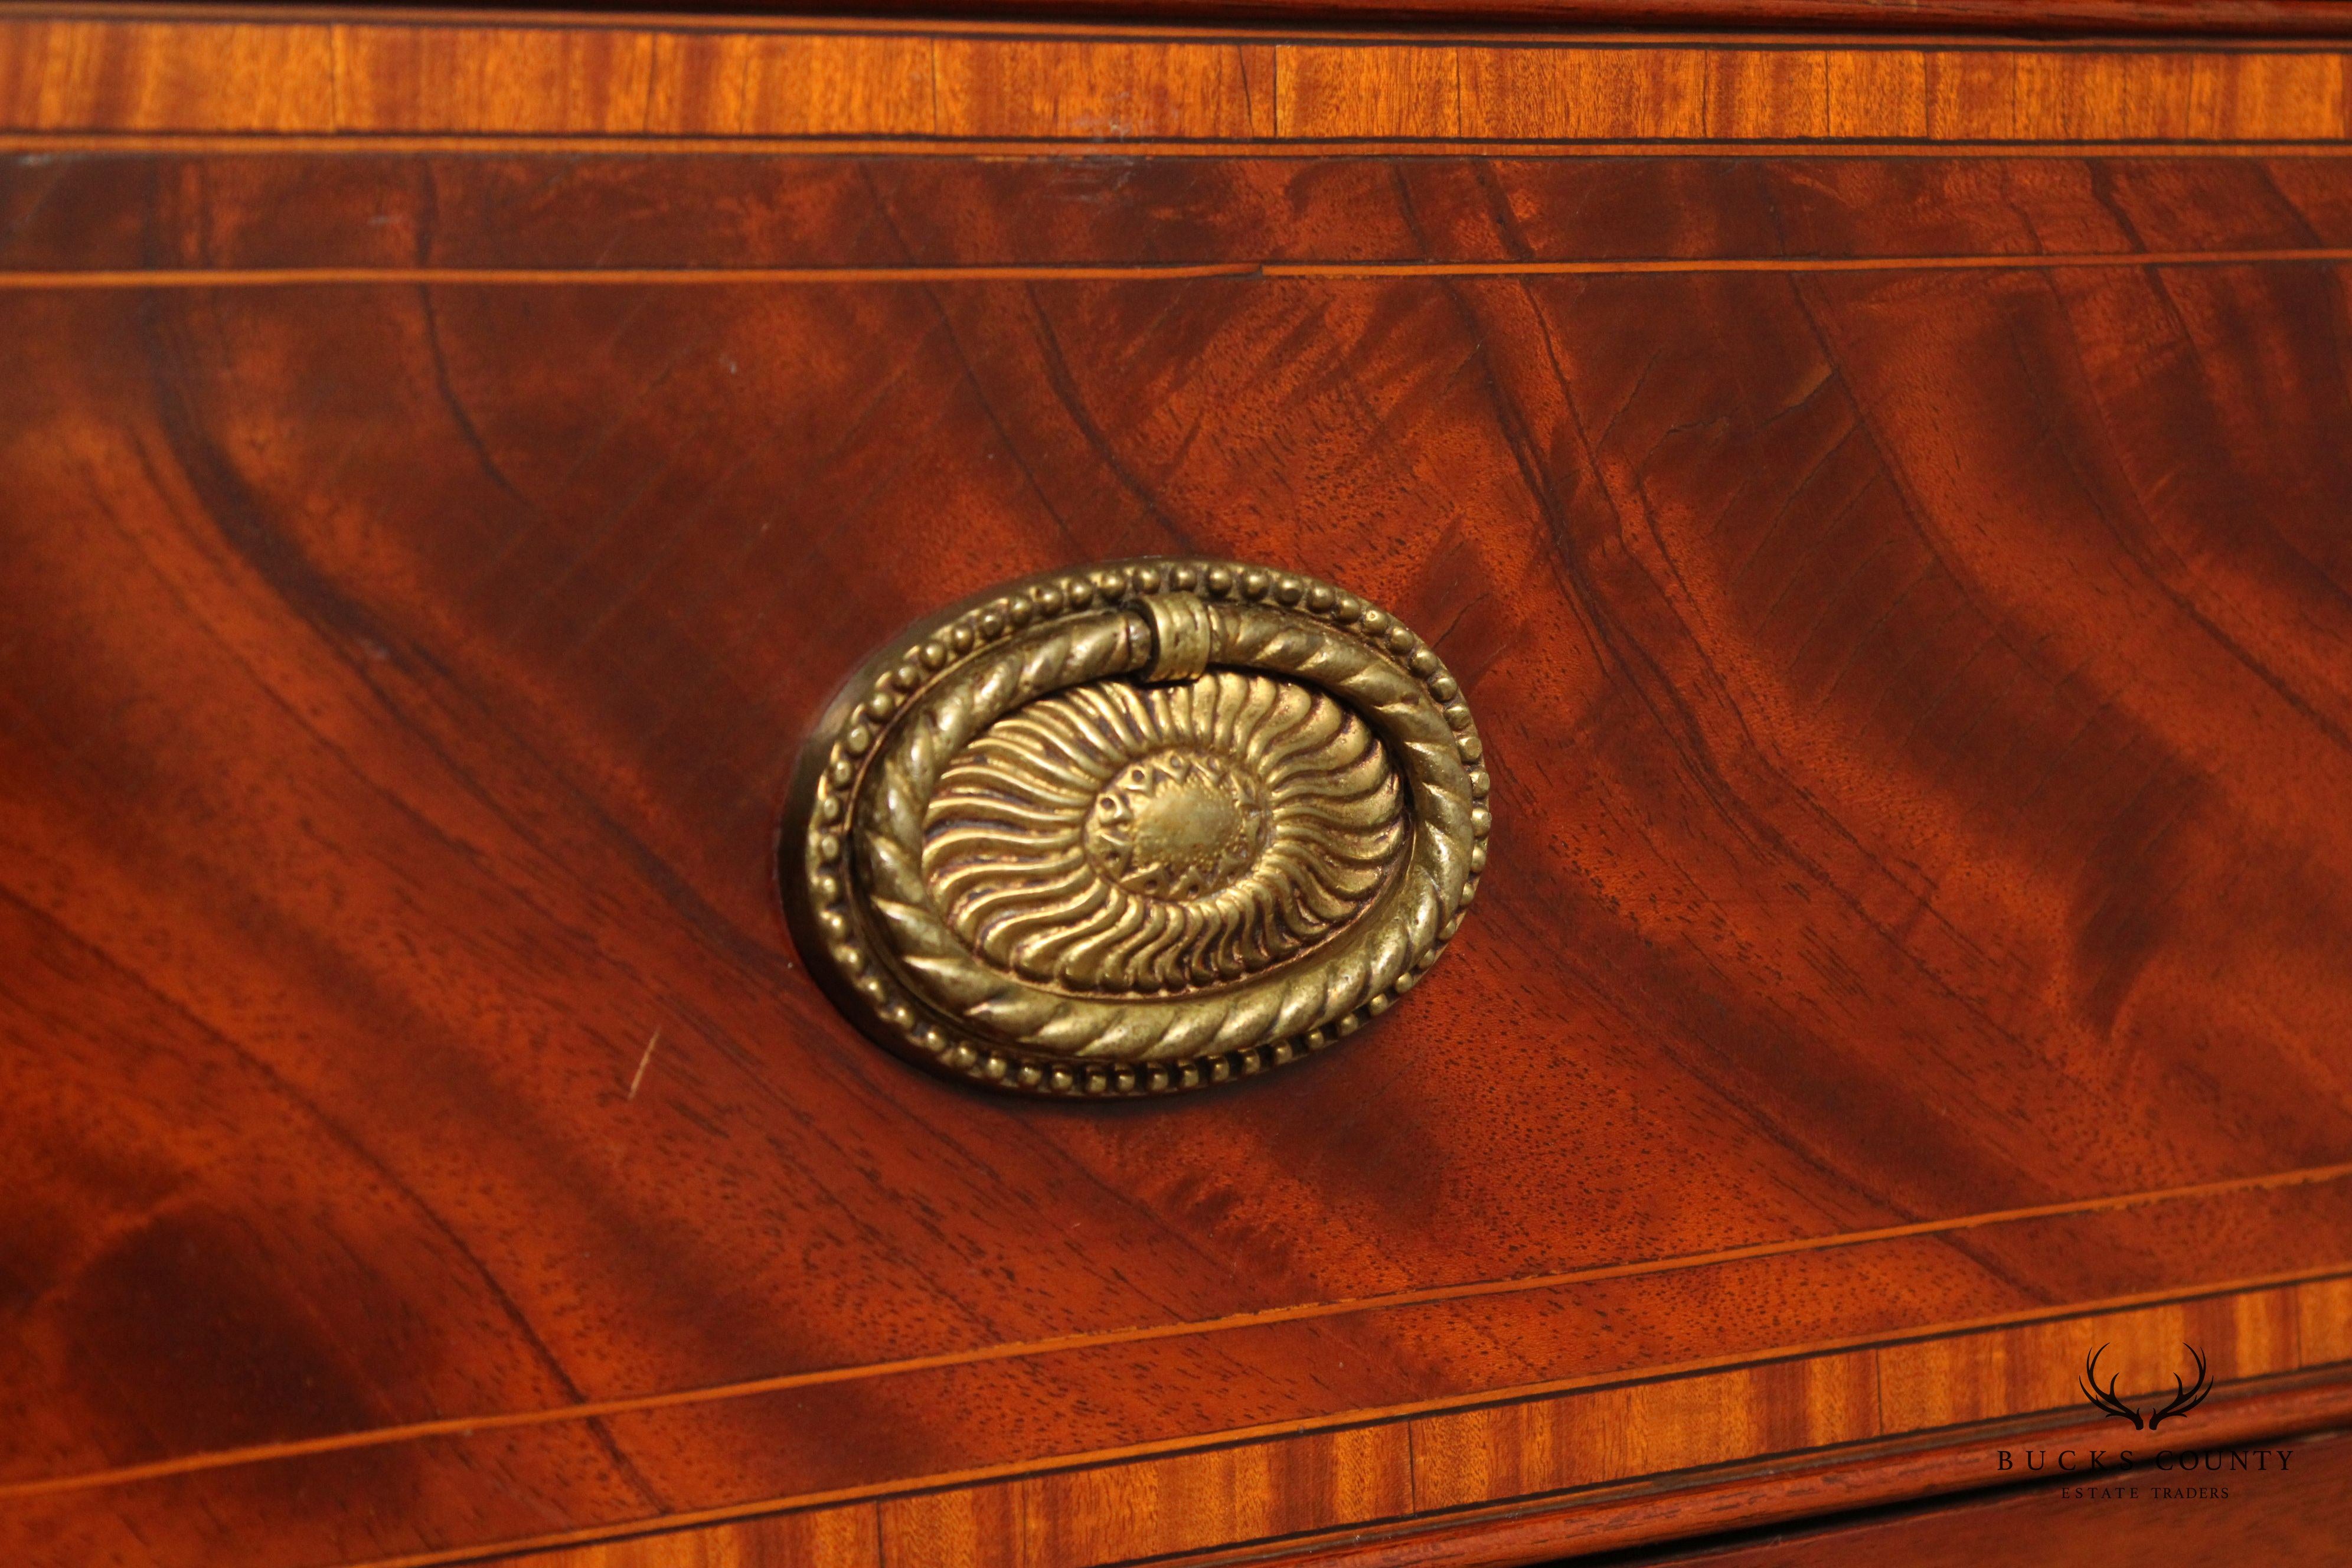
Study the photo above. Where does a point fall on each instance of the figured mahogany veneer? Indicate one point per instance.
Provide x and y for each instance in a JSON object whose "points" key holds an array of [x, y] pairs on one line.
{"points": [[357, 73], [2055, 19], [1904, 591]]}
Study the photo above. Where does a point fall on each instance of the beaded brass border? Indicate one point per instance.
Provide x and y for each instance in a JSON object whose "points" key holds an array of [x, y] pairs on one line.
{"points": [[849, 850]]}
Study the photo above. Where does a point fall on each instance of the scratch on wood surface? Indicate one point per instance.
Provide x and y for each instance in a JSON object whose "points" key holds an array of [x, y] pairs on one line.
{"points": [[639, 1076]]}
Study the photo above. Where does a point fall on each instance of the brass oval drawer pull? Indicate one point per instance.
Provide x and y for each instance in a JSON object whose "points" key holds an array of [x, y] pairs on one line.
{"points": [[1135, 829]]}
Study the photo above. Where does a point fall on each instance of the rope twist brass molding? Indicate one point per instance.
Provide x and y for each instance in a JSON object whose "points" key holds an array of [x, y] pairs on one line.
{"points": [[1135, 829]]}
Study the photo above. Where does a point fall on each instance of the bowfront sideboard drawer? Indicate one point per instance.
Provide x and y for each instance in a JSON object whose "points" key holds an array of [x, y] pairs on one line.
{"points": [[1057, 793]]}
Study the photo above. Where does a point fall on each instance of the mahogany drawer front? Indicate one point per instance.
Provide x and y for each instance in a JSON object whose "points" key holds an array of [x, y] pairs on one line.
{"points": [[1885, 498]]}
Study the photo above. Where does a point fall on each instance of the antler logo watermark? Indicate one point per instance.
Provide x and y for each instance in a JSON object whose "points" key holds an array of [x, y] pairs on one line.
{"points": [[2185, 1397], [2161, 1477]]}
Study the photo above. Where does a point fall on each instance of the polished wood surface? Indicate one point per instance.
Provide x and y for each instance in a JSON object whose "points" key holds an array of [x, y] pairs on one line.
{"points": [[2060, 18], [2293, 1514], [355, 73], [1904, 595], [2216, 1518]]}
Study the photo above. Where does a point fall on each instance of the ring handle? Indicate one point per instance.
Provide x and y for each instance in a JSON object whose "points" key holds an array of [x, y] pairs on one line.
{"points": [[1163, 823]]}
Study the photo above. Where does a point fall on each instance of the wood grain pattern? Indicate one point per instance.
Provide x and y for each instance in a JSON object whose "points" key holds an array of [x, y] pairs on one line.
{"points": [[1540, 1527], [2147, 19], [258, 73], [439, 213], [1645, 1430], [557, 592], [1116, 1395], [2323, 1326], [1907, 595], [847, 1537], [2301, 1514], [1252, 1492]]}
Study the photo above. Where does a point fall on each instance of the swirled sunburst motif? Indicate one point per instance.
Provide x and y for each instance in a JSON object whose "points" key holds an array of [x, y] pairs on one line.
{"points": [[1143, 840]]}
